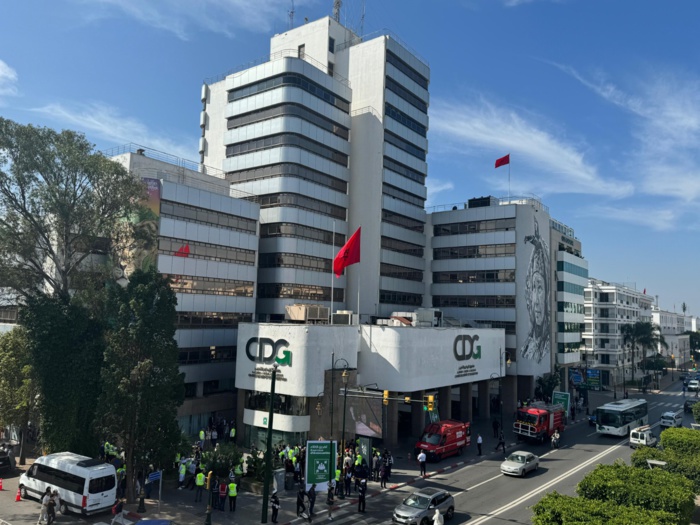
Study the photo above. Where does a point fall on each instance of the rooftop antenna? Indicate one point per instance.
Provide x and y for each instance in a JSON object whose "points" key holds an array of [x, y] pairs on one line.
{"points": [[362, 20], [291, 16], [336, 9]]}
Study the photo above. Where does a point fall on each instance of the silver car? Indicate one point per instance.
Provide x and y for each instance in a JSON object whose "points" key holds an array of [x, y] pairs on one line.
{"points": [[419, 507], [520, 463]]}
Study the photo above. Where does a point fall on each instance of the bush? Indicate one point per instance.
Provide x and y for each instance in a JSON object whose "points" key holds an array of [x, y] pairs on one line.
{"points": [[556, 509], [677, 444], [220, 460]]}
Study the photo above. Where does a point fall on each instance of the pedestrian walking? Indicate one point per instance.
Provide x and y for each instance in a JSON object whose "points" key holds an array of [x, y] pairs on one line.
{"points": [[118, 512], [348, 480], [330, 500], [362, 491], [437, 518], [376, 463], [501, 442], [312, 499], [301, 495], [382, 476], [54, 502], [421, 462], [496, 425], [479, 442], [44, 511], [232, 495], [275, 504]]}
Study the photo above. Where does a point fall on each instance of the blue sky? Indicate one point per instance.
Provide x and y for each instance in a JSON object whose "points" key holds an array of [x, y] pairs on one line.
{"points": [[597, 102]]}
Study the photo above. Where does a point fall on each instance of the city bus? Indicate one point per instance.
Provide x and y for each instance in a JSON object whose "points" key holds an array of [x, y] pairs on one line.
{"points": [[619, 417]]}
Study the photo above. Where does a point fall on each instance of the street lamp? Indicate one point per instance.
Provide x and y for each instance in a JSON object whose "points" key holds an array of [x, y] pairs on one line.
{"points": [[268, 453], [331, 464], [345, 377], [499, 376], [334, 361], [673, 365]]}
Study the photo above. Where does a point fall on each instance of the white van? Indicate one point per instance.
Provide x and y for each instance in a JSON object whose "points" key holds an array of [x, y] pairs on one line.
{"points": [[85, 485], [642, 436]]}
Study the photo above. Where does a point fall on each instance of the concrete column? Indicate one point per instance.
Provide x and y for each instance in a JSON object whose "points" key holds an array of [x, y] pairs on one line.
{"points": [[417, 415], [240, 405], [391, 430], [484, 401], [445, 398], [509, 390], [465, 402], [526, 387]]}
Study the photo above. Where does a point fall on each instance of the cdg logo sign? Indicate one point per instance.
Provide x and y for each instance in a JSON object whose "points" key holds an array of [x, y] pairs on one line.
{"points": [[267, 351], [461, 353]]}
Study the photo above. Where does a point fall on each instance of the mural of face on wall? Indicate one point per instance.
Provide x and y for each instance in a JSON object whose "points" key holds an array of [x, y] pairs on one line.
{"points": [[538, 344]]}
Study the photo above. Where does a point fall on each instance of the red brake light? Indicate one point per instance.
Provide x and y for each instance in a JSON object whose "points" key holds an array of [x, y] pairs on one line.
{"points": [[84, 502]]}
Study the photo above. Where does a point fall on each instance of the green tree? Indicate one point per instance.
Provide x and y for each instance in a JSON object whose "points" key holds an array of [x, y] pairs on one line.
{"points": [[546, 383], [680, 449], [641, 337], [60, 201], [142, 386], [18, 392]]}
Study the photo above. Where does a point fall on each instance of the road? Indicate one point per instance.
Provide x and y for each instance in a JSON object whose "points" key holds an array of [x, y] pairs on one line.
{"points": [[482, 495]]}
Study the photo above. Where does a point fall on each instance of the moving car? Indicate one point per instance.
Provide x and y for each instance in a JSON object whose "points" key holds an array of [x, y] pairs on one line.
{"points": [[688, 405], [592, 420], [693, 385], [419, 507], [642, 436], [520, 463], [670, 419]]}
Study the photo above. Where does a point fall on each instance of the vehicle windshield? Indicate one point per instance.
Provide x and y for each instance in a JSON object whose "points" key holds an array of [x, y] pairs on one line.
{"points": [[527, 418], [516, 458], [607, 418], [432, 439], [417, 501]]}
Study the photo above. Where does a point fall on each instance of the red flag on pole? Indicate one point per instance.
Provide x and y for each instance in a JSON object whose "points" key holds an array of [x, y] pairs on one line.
{"points": [[348, 254], [645, 291], [503, 161]]}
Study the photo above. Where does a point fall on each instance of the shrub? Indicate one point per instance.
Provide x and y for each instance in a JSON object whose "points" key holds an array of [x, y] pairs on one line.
{"points": [[220, 460]]}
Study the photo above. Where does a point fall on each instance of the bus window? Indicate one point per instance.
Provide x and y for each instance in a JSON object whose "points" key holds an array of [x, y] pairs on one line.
{"points": [[98, 485]]}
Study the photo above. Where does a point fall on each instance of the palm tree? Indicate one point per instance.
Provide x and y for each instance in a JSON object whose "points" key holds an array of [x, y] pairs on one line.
{"points": [[644, 336]]}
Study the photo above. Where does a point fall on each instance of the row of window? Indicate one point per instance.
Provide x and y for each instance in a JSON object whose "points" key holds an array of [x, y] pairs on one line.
{"points": [[570, 308], [298, 231], [568, 267], [403, 298], [474, 252], [295, 260], [402, 221], [570, 287], [207, 251], [187, 320], [407, 248], [176, 210], [8, 314], [460, 228], [405, 94], [195, 356], [474, 301], [306, 292], [403, 119], [404, 145], [404, 196], [291, 79], [289, 110], [289, 170], [287, 139], [565, 348], [400, 272], [475, 276], [283, 404], [404, 171], [294, 200], [407, 70], [575, 328], [211, 286], [508, 326]]}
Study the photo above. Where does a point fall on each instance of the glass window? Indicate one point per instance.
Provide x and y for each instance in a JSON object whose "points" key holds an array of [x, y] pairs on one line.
{"points": [[331, 44], [102, 484], [301, 50]]}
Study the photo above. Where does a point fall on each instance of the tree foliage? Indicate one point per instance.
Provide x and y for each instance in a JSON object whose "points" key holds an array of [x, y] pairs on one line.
{"points": [[652, 489], [680, 449], [557, 509], [641, 337], [546, 384], [222, 460], [18, 390], [58, 201], [142, 386], [66, 345]]}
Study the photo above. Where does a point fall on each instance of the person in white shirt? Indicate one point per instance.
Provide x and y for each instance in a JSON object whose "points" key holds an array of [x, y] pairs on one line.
{"points": [[421, 461], [44, 513]]}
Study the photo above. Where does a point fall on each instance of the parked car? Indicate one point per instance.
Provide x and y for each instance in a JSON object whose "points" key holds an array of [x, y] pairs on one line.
{"points": [[670, 419], [688, 405], [419, 507], [519, 463], [7, 460]]}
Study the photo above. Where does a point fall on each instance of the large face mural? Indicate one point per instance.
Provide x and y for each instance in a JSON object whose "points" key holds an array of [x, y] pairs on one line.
{"points": [[537, 345]]}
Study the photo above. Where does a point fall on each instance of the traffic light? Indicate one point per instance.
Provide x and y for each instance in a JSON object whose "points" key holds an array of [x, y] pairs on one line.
{"points": [[386, 397], [425, 403], [431, 403], [407, 400]]}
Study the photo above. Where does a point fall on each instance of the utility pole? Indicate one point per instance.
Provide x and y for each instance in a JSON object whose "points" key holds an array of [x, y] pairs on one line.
{"points": [[337, 4]]}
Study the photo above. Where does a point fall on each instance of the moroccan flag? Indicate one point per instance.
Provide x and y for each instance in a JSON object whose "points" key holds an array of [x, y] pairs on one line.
{"points": [[503, 161], [183, 251], [645, 291], [348, 254]]}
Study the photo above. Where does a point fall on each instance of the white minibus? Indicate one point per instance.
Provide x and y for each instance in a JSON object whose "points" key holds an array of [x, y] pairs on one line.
{"points": [[85, 485]]}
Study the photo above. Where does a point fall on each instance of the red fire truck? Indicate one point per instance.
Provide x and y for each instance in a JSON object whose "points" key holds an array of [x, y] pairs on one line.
{"points": [[444, 438], [538, 421]]}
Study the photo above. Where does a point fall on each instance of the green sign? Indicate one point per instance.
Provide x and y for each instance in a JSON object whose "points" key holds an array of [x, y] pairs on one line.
{"points": [[320, 463], [561, 398]]}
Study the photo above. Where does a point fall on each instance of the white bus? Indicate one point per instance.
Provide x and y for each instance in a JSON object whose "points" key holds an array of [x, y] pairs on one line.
{"points": [[620, 417], [85, 485]]}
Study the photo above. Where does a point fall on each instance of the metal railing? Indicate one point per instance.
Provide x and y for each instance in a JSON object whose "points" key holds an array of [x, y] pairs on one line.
{"points": [[376, 34], [285, 53], [503, 201], [366, 109], [151, 153]]}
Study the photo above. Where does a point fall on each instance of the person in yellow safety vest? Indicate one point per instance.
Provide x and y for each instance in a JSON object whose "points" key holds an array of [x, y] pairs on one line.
{"points": [[199, 482], [232, 493], [290, 453], [201, 439], [181, 475], [238, 471], [338, 472], [232, 433]]}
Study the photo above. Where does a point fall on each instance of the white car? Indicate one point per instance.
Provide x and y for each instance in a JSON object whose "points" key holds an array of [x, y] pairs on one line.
{"points": [[520, 463], [693, 385], [670, 419]]}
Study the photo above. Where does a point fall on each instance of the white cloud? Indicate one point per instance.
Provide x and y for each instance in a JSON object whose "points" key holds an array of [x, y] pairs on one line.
{"points": [[654, 219], [8, 80], [435, 186], [106, 122], [516, 3], [546, 162], [182, 17]]}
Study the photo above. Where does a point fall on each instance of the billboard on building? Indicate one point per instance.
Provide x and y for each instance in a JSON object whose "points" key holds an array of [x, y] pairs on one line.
{"points": [[534, 286]]}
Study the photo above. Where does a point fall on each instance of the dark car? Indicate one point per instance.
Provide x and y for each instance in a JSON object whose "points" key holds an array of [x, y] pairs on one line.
{"points": [[6, 462], [688, 405], [592, 420]]}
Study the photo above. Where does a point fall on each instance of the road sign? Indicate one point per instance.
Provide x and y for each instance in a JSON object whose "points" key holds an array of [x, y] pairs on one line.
{"points": [[319, 466], [154, 476]]}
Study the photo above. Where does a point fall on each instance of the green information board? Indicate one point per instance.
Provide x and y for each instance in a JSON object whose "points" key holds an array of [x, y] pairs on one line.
{"points": [[320, 463], [562, 398]]}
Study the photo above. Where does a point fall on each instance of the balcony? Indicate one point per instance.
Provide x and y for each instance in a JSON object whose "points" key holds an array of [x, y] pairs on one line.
{"points": [[568, 358]]}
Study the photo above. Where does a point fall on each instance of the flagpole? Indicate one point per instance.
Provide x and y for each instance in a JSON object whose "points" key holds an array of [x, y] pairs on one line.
{"points": [[509, 179], [358, 294], [332, 259]]}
